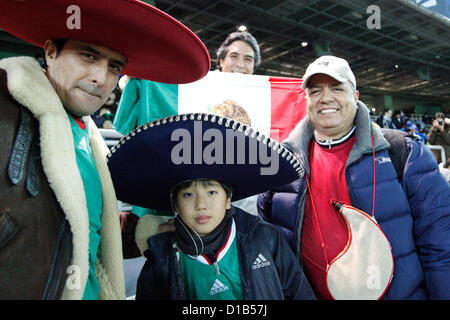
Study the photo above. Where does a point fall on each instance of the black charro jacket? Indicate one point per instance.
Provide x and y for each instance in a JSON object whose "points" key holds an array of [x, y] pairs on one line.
{"points": [[161, 277]]}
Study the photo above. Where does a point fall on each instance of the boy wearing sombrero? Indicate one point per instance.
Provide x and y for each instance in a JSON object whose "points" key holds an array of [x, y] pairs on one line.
{"points": [[196, 164], [59, 225]]}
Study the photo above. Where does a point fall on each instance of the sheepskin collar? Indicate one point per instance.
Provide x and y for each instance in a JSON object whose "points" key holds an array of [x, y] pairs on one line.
{"points": [[29, 86]]}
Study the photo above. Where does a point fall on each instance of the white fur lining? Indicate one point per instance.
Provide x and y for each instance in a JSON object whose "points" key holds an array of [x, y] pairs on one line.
{"points": [[110, 250], [30, 87], [146, 227]]}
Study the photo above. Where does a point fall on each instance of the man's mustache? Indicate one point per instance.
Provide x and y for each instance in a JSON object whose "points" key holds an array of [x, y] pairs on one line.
{"points": [[91, 89]]}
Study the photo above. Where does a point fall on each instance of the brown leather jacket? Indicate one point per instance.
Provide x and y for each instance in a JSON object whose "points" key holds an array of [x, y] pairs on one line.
{"points": [[29, 225]]}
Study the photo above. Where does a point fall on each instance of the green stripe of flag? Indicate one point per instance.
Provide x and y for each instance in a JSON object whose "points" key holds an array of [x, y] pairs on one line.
{"points": [[144, 101]]}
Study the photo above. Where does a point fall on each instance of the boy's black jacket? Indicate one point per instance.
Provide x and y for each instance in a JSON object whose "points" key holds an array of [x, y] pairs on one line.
{"points": [[161, 276]]}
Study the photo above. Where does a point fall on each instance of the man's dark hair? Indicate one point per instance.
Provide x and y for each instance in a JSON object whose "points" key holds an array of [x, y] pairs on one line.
{"points": [[59, 43], [234, 36]]}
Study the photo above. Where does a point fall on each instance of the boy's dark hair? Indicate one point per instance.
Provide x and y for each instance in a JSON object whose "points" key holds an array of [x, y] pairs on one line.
{"points": [[234, 36], [204, 182]]}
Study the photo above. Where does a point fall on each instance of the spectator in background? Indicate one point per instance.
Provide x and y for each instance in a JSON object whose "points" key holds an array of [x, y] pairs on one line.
{"points": [[239, 53], [398, 119], [412, 127], [427, 118], [439, 135], [103, 118], [385, 120]]}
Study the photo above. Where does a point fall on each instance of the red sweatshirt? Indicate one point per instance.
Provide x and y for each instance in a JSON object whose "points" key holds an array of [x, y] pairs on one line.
{"points": [[327, 180]]}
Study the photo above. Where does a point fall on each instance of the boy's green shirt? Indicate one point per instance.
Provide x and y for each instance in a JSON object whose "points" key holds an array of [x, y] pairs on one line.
{"points": [[218, 281]]}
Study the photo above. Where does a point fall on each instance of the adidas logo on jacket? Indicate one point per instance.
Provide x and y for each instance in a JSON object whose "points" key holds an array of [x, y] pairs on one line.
{"points": [[260, 262]]}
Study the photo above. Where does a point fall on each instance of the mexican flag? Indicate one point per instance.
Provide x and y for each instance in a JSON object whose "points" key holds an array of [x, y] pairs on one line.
{"points": [[272, 105]]}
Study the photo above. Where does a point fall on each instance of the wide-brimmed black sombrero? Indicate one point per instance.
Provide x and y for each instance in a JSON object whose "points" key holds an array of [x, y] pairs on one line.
{"points": [[150, 161]]}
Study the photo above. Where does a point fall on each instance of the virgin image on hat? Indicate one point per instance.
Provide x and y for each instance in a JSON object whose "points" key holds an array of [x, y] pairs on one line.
{"points": [[157, 46], [148, 162]]}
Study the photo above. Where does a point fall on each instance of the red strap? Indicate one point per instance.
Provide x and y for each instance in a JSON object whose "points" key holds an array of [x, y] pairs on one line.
{"points": [[314, 207], [373, 195]]}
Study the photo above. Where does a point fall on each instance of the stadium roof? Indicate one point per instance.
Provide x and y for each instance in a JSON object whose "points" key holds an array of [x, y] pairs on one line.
{"points": [[408, 55]]}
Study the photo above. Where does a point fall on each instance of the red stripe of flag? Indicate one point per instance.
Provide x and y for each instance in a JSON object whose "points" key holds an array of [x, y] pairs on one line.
{"points": [[288, 106]]}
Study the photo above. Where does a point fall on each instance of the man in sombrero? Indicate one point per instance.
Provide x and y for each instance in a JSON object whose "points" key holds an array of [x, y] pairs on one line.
{"points": [[59, 226], [217, 251]]}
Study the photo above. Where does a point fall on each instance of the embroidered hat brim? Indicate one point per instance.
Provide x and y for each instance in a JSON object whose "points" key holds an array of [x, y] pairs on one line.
{"points": [[157, 46], [150, 161]]}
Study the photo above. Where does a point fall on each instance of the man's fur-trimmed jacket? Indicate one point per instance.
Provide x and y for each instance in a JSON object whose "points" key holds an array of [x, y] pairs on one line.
{"points": [[30, 225]]}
